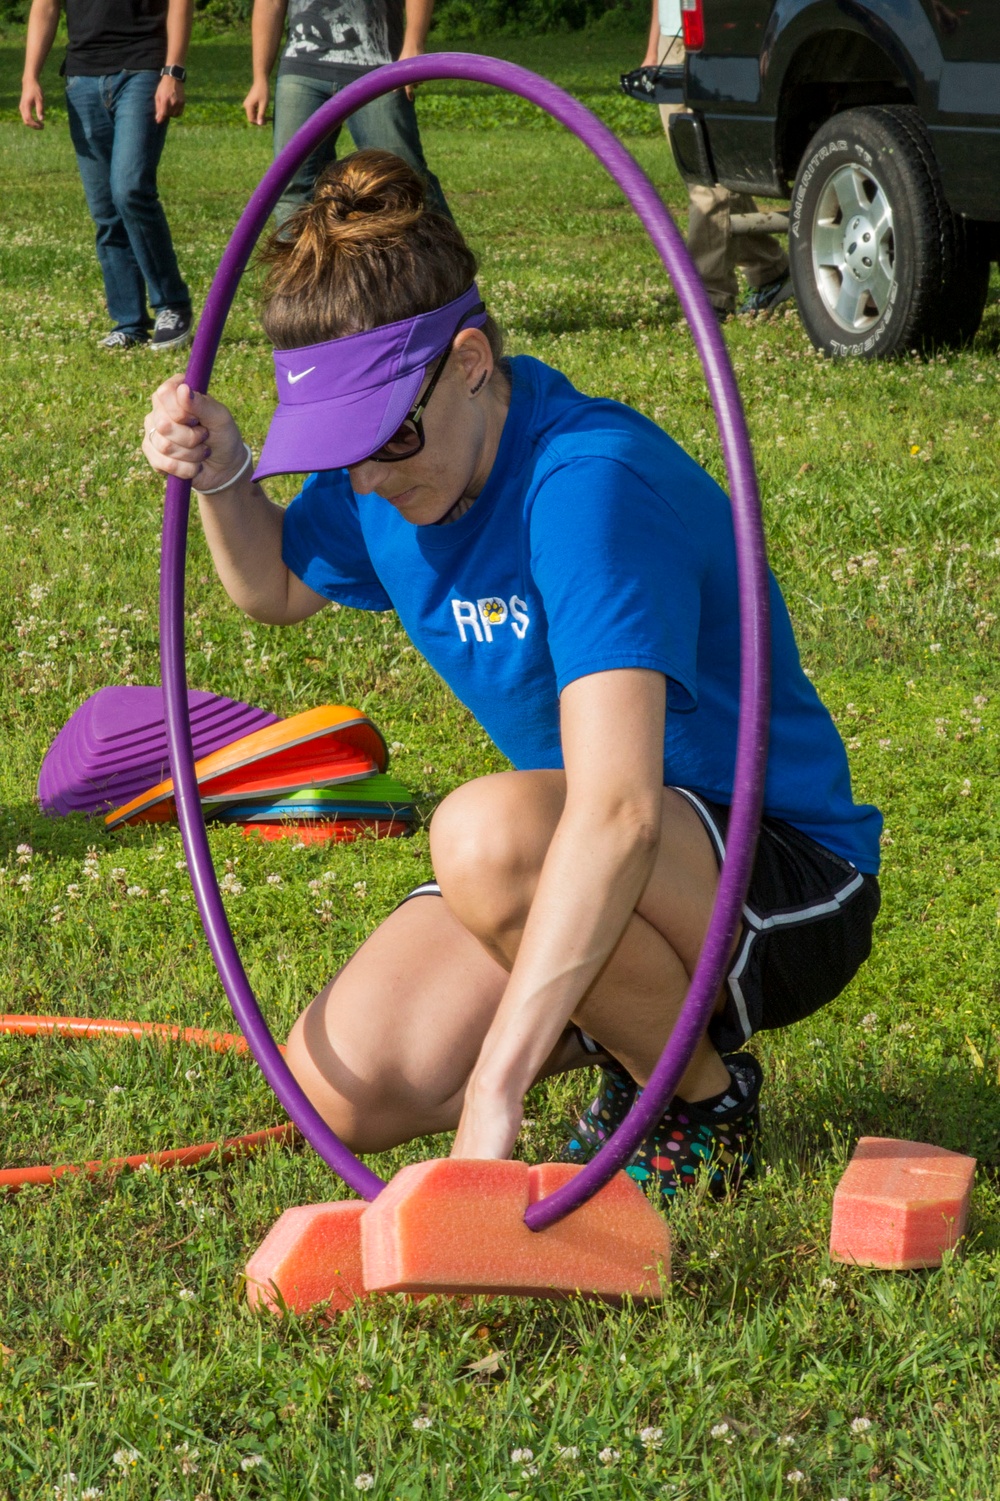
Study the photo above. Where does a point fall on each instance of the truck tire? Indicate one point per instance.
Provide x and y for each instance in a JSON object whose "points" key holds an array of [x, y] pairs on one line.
{"points": [[965, 254], [879, 262]]}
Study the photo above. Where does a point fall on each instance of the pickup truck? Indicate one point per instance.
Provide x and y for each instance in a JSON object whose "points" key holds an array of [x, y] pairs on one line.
{"points": [[879, 121]]}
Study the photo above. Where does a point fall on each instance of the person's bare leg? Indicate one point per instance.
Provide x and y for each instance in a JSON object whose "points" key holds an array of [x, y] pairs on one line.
{"points": [[386, 1048], [488, 842]]}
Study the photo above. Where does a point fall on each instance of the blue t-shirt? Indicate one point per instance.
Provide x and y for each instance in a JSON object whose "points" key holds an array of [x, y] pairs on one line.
{"points": [[596, 543]]}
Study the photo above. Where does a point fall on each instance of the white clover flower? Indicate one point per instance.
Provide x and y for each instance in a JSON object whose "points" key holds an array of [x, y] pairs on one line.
{"points": [[869, 1021], [529, 1472], [187, 1294], [786, 1441], [314, 885], [125, 1457], [935, 646], [721, 1430], [92, 1493], [73, 892], [828, 1284], [609, 1456], [795, 1477], [251, 1461], [861, 1425], [568, 1451], [188, 1457], [274, 880], [651, 1438], [24, 853], [231, 884], [191, 1074], [421, 1424], [364, 1481], [396, 747], [361, 887], [521, 1456]]}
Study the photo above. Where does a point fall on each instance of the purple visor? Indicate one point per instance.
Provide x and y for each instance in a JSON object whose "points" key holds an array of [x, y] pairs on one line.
{"points": [[338, 402]]}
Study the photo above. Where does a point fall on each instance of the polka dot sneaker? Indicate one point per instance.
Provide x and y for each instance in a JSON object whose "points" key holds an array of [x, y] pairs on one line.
{"points": [[717, 1135], [602, 1116]]}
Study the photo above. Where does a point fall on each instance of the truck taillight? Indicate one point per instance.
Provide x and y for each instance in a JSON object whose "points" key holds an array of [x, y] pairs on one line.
{"points": [[694, 24]]}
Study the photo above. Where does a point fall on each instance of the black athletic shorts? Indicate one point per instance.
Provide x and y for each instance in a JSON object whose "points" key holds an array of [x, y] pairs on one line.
{"points": [[807, 928]]}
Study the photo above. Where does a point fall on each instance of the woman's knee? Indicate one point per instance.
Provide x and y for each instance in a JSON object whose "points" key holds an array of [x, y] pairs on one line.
{"points": [[488, 841]]}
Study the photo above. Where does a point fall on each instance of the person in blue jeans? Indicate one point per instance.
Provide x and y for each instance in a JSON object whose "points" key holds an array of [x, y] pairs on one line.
{"points": [[125, 76], [330, 44]]}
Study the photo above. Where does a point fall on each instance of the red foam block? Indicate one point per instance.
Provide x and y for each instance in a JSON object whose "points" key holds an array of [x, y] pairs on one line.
{"points": [[900, 1204], [457, 1225], [311, 1255]]}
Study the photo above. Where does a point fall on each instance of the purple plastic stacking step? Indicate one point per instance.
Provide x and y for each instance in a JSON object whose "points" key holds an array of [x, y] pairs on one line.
{"points": [[115, 745]]}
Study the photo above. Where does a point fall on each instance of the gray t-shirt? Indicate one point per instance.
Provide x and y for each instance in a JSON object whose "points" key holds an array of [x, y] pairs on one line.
{"points": [[341, 39]]}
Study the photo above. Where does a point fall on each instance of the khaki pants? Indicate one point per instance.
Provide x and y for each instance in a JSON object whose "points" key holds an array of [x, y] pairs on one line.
{"points": [[715, 251]]}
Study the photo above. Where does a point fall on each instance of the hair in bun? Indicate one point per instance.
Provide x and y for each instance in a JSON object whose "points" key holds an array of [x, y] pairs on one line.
{"points": [[367, 250]]}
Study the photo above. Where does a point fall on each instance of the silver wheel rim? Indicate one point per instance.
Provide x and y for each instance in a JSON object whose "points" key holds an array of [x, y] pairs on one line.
{"points": [[853, 249]]}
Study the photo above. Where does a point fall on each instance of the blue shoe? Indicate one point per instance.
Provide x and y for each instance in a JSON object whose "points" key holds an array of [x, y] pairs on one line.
{"points": [[764, 299]]}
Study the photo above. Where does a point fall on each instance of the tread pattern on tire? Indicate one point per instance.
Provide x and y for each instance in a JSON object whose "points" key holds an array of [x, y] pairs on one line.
{"points": [[946, 267], [965, 262]]}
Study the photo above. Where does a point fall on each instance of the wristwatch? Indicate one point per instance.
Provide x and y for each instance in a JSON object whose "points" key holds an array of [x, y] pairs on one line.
{"points": [[173, 70]]}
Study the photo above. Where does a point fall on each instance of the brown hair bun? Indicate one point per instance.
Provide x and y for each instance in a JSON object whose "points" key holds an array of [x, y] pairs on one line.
{"points": [[367, 250]]}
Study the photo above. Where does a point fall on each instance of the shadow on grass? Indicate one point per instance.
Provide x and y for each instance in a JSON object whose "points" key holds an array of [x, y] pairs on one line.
{"points": [[947, 1105], [71, 835]]}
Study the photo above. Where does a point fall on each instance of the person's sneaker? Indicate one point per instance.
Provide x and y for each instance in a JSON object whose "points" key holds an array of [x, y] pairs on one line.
{"points": [[172, 327], [717, 1134], [764, 299], [119, 339], [605, 1113]]}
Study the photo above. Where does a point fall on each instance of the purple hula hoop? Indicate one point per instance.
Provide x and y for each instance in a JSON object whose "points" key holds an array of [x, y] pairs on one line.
{"points": [[751, 749]]}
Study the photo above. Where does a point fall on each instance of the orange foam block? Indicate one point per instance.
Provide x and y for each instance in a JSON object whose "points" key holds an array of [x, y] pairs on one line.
{"points": [[456, 1225], [900, 1204], [311, 1255]]}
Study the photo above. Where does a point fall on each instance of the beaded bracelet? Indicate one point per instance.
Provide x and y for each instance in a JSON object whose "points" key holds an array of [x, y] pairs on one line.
{"points": [[237, 476]]}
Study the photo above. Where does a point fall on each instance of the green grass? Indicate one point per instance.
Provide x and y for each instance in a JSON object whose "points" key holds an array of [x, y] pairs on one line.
{"points": [[880, 489]]}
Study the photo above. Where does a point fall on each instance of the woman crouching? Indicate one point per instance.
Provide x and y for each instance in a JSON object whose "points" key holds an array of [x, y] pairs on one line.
{"points": [[571, 574]]}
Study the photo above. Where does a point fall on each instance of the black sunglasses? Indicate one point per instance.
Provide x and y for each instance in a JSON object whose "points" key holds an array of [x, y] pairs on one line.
{"points": [[408, 439]]}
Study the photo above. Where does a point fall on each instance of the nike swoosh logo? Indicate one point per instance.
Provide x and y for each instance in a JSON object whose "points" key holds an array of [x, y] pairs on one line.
{"points": [[292, 379]]}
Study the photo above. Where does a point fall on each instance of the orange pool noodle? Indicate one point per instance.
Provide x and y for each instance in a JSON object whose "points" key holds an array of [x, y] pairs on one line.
{"points": [[456, 1225], [311, 1255], [900, 1204]]}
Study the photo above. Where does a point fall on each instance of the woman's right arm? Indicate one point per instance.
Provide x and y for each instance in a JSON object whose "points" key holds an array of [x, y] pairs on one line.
{"points": [[196, 438]]}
